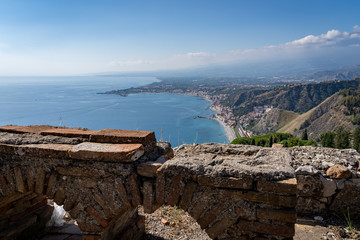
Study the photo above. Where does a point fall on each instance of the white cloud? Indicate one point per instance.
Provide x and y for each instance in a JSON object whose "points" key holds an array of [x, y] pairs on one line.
{"points": [[200, 54], [356, 28], [331, 38]]}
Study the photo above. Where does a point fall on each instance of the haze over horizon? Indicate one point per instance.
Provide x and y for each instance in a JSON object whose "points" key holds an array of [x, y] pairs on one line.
{"points": [[81, 37]]}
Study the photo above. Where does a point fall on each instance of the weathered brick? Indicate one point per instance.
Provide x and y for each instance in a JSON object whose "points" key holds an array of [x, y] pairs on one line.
{"points": [[88, 227], [287, 186], [147, 196], [108, 191], [225, 182], [101, 202], [50, 191], [160, 188], [23, 129], [121, 191], [174, 191], [13, 198], [190, 188], [135, 190], [264, 197], [68, 132], [28, 210], [219, 227], [30, 176], [270, 229], [90, 237], [81, 172], [86, 183], [56, 151], [19, 180], [9, 178], [70, 202], [122, 136], [40, 180], [3, 185], [19, 227], [107, 152], [97, 216], [279, 215], [37, 198], [211, 215], [60, 196], [76, 210]]}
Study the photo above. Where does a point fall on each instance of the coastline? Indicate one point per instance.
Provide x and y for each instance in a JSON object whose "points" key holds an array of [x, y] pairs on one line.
{"points": [[229, 132]]}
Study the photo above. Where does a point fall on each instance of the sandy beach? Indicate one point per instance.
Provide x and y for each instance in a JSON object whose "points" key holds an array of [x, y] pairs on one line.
{"points": [[229, 131]]}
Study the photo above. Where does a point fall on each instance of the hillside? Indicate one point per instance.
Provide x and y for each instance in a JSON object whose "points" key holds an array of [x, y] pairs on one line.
{"points": [[298, 98], [327, 116], [273, 120]]}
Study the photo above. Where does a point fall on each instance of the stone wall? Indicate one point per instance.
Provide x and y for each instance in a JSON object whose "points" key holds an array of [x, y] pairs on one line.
{"points": [[101, 177], [328, 181]]}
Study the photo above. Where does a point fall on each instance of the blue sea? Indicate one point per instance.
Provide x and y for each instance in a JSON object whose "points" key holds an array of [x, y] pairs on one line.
{"points": [[75, 102]]}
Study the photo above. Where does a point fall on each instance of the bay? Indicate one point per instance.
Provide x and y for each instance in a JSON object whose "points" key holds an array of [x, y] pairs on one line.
{"points": [[75, 102]]}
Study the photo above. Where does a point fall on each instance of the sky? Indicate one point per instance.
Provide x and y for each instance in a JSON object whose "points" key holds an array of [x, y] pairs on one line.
{"points": [[70, 37]]}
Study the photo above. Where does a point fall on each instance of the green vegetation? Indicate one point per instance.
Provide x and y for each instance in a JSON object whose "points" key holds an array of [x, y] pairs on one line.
{"points": [[328, 139], [352, 103], [304, 135], [267, 140]]}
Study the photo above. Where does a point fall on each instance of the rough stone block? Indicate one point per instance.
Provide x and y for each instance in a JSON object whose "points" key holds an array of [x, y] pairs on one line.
{"points": [[160, 188], [40, 180], [49, 151], [174, 191], [220, 226], [121, 191], [122, 136], [30, 176], [19, 180], [309, 186], [190, 188], [287, 186], [107, 152], [148, 196], [50, 191], [338, 171], [135, 190], [9, 178], [225, 182], [264, 197], [279, 215], [60, 196], [211, 215], [269, 229], [329, 186], [90, 237], [148, 169]]}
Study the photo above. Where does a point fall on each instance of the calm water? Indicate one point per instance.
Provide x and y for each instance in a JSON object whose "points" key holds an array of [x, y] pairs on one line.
{"points": [[74, 102]]}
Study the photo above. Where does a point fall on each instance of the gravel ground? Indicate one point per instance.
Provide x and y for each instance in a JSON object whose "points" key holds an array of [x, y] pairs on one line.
{"points": [[172, 223]]}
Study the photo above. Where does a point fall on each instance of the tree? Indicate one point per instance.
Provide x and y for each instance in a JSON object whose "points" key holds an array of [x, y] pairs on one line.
{"points": [[328, 139], [253, 141], [271, 141], [304, 135], [342, 138], [356, 139]]}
